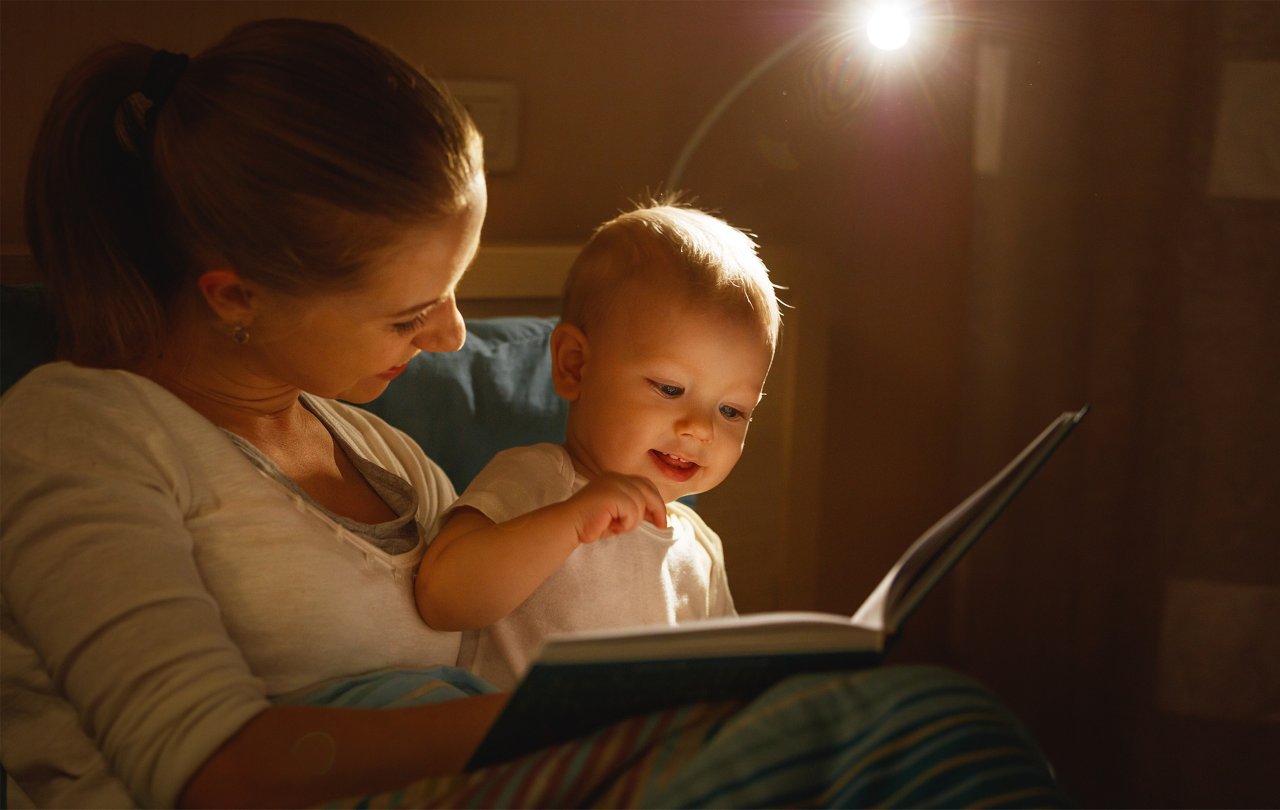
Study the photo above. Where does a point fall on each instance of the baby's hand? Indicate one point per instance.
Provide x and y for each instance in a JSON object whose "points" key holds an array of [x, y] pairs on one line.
{"points": [[614, 504]]}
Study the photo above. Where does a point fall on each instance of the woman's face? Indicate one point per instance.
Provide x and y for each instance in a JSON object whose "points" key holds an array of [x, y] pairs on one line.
{"points": [[350, 345]]}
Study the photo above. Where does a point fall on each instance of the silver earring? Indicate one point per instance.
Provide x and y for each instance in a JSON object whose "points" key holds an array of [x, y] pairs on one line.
{"points": [[240, 334]]}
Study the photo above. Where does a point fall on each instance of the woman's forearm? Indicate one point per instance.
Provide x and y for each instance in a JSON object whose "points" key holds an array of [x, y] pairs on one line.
{"points": [[299, 756]]}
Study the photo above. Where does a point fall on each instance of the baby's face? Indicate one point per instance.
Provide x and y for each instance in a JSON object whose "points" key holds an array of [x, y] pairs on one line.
{"points": [[667, 393]]}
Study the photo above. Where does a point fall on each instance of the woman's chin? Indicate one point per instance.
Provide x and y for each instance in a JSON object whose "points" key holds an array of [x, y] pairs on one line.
{"points": [[366, 390]]}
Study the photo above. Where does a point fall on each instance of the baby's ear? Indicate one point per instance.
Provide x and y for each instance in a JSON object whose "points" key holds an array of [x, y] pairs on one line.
{"points": [[568, 356]]}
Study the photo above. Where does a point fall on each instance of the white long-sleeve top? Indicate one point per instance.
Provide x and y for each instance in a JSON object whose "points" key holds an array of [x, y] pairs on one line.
{"points": [[156, 587]]}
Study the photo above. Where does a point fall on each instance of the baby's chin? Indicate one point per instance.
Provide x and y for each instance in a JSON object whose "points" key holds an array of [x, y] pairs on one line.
{"points": [[675, 490], [671, 494], [669, 491]]}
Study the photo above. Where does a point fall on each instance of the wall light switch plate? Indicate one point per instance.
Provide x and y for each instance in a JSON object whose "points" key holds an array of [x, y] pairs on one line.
{"points": [[495, 107]]}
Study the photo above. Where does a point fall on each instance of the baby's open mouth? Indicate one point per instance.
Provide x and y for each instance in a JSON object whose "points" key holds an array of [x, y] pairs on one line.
{"points": [[675, 461], [677, 468]]}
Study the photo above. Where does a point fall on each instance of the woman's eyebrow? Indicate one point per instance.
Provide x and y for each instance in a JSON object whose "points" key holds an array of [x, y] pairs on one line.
{"points": [[414, 310]]}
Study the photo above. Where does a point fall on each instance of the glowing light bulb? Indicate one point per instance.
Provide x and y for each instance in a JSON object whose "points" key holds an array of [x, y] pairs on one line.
{"points": [[888, 28]]}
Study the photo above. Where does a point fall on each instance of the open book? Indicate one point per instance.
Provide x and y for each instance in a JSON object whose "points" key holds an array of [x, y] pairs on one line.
{"points": [[582, 682]]}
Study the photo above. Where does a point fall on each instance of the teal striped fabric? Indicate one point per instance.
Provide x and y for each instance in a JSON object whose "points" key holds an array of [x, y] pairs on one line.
{"points": [[910, 736], [891, 737]]}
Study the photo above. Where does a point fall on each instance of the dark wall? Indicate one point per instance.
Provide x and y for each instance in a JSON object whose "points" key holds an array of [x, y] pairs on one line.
{"points": [[1128, 605]]}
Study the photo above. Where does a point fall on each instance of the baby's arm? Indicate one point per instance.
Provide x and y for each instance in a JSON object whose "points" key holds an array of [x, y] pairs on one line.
{"points": [[477, 571]]}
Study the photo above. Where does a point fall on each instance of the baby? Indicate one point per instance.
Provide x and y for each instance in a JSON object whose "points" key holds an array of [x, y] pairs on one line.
{"points": [[667, 333]]}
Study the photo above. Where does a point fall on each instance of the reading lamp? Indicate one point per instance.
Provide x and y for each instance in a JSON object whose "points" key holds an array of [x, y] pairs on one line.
{"points": [[886, 24]]}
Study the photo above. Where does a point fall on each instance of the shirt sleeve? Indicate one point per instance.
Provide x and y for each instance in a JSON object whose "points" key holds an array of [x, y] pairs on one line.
{"points": [[519, 480], [98, 573]]}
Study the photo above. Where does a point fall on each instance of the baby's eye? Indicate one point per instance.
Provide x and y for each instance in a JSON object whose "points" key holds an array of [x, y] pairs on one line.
{"points": [[731, 413], [666, 389]]}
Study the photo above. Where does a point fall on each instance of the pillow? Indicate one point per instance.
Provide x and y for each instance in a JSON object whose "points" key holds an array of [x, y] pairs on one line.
{"points": [[493, 393]]}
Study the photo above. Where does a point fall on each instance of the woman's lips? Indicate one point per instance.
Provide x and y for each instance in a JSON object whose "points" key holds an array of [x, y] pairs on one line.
{"points": [[392, 373], [674, 467]]}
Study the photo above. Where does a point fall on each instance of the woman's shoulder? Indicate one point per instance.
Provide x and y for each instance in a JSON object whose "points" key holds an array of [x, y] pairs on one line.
{"points": [[107, 427], [64, 390], [60, 374], [61, 409]]}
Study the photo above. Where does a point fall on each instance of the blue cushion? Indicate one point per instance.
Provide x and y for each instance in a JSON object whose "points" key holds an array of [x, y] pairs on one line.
{"points": [[493, 393]]}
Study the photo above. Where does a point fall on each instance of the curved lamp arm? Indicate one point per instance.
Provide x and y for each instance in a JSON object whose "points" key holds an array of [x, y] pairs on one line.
{"points": [[708, 121], [890, 15]]}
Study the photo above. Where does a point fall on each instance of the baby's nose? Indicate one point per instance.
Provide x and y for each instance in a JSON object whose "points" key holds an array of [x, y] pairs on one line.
{"points": [[696, 425]]}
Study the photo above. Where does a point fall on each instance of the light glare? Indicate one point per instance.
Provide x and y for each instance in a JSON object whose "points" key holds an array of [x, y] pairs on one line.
{"points": [[888, 28]]}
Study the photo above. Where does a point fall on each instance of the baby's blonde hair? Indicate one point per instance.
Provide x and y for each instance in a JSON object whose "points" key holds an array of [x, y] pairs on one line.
{"points": [[696, 255]]}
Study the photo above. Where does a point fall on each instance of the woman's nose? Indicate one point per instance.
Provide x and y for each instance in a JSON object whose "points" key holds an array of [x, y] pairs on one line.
{"points": [[447, 333]]}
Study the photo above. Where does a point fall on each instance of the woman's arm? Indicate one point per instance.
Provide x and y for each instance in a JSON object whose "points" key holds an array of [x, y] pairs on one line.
{"points": [[477, 571], [102, 574], [299, 756]]}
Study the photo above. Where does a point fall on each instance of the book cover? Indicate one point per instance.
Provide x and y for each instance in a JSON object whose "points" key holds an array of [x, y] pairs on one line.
{"points": [[582, 682]]}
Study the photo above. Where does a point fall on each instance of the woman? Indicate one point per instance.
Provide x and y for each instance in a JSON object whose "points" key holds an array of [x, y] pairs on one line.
{"points": [[289, 211], [198, 536]]}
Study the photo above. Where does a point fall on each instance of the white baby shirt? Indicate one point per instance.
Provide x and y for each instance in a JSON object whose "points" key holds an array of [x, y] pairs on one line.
{"points": [[646, 576]]}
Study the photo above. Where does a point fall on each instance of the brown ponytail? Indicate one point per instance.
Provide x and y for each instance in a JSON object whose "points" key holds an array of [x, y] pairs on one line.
{"points": [[294, 151], [87, 214]]}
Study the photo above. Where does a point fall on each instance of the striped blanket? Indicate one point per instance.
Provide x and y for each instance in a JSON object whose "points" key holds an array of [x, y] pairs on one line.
{"points": [[909, 736]]}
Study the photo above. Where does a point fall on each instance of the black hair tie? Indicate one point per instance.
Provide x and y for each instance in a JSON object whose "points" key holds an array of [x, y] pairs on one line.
{"points": [[161, 76]]}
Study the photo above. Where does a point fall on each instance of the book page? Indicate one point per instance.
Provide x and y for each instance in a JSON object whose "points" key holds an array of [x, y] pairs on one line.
{"points": [[751, 634], [942, 545]]}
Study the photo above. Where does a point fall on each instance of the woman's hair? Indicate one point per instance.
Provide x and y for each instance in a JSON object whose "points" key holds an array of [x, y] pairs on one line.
{"points": [[292, 151], [694, 255]]}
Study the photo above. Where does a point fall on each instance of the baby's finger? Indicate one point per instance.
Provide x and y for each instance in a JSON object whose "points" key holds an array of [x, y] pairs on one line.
{"points": [[654, 507], [638, 506]]}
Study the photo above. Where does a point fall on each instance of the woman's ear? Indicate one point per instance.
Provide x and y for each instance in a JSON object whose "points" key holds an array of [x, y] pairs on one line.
{"points": [[229, 296], [568, 356]]}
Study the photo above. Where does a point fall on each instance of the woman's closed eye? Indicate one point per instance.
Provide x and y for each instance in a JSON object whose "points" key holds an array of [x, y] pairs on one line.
{"points": [[418, 321], [405, 327]]}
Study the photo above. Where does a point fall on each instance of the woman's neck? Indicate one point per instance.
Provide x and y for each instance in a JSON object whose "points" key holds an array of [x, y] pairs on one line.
{"points": [[229, 404], [204, 370]]}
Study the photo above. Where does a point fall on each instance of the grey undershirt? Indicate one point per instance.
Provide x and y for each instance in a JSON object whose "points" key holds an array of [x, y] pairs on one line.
{"points": [[393, 536]]}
